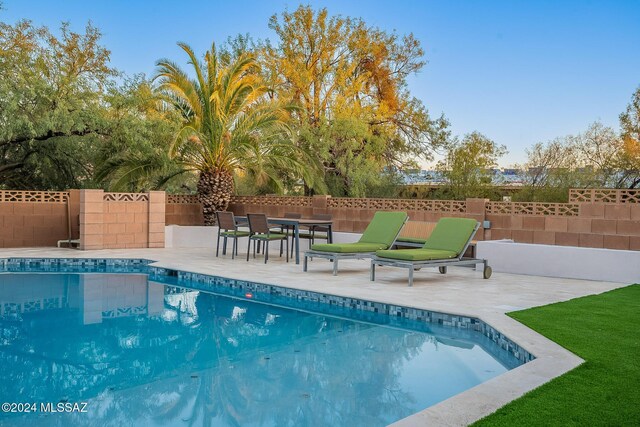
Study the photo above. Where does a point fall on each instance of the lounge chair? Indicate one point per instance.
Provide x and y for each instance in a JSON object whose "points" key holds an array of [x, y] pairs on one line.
{"points": [[445, 247], [381, 232], [415, 235]]}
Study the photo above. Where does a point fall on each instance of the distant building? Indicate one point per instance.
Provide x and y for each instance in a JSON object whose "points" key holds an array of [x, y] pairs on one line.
{"points": [[510, 177]]}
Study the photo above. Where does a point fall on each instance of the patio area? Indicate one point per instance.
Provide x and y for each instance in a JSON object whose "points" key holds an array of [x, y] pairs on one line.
{"points": [[462, 291]]}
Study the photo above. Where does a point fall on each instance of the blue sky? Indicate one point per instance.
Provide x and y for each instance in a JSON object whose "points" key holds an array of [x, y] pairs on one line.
{"points": [[520, 72]]}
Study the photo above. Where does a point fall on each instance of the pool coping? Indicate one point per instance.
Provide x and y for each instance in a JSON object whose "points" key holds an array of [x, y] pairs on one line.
{"points": [[551, 361]]}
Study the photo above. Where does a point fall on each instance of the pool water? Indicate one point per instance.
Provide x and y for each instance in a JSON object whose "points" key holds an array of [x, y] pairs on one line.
{"points": [[140, 352]]}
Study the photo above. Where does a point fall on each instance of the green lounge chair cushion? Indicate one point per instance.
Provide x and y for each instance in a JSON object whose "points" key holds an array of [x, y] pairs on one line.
{"points": [[411, 240], [384, 228], [270, 236], [344, 248], [417, 254], [380, 233], [451, 234], [236, 233]]}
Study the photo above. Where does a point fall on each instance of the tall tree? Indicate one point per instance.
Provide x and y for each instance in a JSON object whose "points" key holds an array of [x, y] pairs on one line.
{"points": [[630, 119], [549, 172], [51, 110], [598, 157], [336, 69], [355, 153], [468, 168], [601, 155], [228, 125], [630, 124]]}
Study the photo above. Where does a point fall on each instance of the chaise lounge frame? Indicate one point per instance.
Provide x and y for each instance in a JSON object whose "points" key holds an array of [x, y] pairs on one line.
{"points": [[442, 264], [336, 256]]}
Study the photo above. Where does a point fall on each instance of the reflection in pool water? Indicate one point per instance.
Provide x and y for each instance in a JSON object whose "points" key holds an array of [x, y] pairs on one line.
{"points": [[146, 353]]}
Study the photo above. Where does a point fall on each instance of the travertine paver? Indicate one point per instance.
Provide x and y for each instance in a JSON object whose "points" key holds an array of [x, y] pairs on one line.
{"points": [[461, 291]]}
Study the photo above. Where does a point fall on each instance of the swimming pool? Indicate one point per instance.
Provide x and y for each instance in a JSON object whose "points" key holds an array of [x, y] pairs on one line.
{"points": [[170, 348]]}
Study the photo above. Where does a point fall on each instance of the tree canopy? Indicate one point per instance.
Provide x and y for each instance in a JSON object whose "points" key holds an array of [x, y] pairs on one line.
{"points": [[630, 124], [468, 168], [323, 107], [66, 114], [51, 107], [71, 120], [597, 158], [228, 125], [349, 82]]}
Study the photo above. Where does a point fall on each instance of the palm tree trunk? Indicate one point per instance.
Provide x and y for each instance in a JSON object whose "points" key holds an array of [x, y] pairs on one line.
{"points": [[214, 193]]}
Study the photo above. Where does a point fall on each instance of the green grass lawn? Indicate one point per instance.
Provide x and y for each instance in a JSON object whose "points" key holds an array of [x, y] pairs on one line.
{"points": [[604, 330]]}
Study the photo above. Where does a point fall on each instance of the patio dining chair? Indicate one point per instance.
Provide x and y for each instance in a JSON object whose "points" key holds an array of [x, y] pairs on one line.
{"points": [[259, 232], [228, 229], [285, 229]]}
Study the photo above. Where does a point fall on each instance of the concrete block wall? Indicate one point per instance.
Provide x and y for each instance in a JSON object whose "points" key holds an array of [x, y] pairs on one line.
{"points": [[183, 214], [353, 220], [596, 225], [277, 211], [126, 225], [126, 220], [121, 220], [99, 220], [584, 224], [353, 215], [32, 224], [34, 218]]}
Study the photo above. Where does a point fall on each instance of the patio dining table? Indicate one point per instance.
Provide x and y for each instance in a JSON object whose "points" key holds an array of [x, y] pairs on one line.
{"points": [[295, 223]]}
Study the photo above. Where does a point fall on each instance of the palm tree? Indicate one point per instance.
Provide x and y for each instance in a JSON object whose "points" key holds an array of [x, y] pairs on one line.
{"points": [[229, 125]]}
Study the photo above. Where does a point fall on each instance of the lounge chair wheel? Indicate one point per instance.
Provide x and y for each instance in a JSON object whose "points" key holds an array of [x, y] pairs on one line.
{"points": [[442, 270], [487, 272]]}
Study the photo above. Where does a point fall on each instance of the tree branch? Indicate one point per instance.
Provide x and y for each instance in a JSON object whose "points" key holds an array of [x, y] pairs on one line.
{"points": [[50, 134]]}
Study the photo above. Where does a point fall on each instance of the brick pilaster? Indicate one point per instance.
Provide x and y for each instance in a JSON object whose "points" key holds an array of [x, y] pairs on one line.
{"points": [[157, 208], [91, 219]]}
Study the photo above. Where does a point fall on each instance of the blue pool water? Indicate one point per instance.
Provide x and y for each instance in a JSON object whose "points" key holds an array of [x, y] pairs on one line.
{"points": [[140, 352]]}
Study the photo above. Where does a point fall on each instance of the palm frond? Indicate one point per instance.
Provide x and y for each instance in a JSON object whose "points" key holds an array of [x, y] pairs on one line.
{"points": [[229, 121]]}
